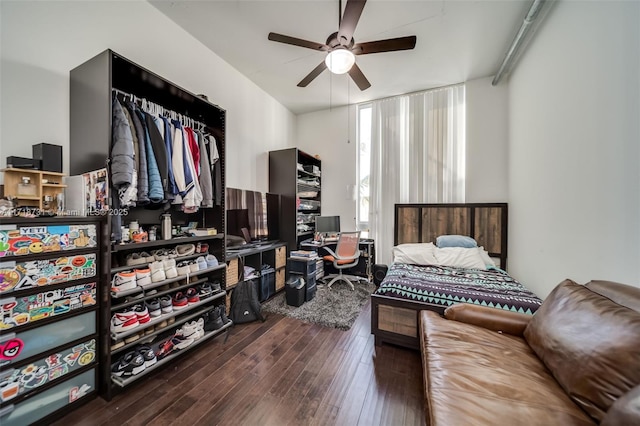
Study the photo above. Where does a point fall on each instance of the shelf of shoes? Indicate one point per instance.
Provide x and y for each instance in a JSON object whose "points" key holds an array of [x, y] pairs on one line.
{"points": [[125, 381], [148, 338], [137, 289], [159, 243], [162, 317], [146, 264], [144, 294]]}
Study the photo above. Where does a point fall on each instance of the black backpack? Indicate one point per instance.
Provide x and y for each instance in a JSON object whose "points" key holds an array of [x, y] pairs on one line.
{"points": [[245, 305]]}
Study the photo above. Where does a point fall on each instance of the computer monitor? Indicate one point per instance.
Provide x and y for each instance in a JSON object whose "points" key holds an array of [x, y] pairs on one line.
{"points": [[328, 224]]}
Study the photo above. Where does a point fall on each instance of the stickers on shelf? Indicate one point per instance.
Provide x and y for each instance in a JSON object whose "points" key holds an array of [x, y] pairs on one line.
{"points": [[44, 239], [38, 273], [17, 381], [22, 310]]}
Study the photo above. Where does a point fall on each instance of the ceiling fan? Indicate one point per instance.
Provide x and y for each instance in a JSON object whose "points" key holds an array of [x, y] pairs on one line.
{"points": [[341, 47]]}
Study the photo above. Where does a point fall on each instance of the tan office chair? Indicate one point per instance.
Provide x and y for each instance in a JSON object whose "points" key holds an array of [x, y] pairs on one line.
{"points": [[347, 255]]}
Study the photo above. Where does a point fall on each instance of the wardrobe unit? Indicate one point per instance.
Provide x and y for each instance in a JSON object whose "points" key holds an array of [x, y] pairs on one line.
{"points": [[93, 85]]}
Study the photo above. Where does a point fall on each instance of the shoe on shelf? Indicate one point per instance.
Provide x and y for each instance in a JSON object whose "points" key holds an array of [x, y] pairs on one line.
{"points": [[134, 259], [170, 268], [189, 330], [123, 321], [130, 364], [165, 349], [179, 301], [125, 280], [117, 345], [143, 276], [192, 295], [215, 287], [134, 297], [183, 268], [212, 320], [166, 305], [171, 320], [164, 287], [153, 306], [157, 272], [160, 255], [132, 338], [181, 342], [185, 249], [142, 313], [172, 253], [204, 248], [211, 260], [149, 330], [202, 263], [223, 314], [205, 291], [147, 354], [161, 325], [193, 266]]}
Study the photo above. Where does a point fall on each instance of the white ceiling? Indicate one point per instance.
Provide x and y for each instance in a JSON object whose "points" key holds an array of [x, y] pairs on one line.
{"points": [[456, 41]]}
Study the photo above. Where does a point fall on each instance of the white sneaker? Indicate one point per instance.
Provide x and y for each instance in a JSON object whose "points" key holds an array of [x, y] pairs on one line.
{"points": [[193, 266], [123, 321], [157, 272], [143, 276], [183, 268], [125, 280], [170, 268]]}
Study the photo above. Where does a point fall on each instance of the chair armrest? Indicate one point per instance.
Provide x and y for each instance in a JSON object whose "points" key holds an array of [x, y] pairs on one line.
{"points": [[494, 319]]}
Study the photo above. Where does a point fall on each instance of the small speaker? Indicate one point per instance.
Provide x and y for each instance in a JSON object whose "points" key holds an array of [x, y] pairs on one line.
{"points": [[49, 155], [379, 272]]}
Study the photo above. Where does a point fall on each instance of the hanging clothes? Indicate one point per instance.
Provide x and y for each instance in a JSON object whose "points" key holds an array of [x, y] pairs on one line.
{"points": [[141, 158], [159, 150], [156, 193], [133, 188], [206, 183], [214, 156], [168, 142], [193, 198]]}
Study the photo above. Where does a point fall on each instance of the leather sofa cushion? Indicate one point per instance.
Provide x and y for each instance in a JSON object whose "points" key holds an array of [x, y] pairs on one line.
{"points": [[625, 411], [475, 376], [590, 344]]}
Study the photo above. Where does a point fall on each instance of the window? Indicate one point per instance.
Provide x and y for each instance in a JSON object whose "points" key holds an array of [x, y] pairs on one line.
{"points": [[364, 164]]}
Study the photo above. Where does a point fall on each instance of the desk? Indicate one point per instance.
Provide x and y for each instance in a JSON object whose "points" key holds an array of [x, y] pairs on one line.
{"points": [[364, 268]]}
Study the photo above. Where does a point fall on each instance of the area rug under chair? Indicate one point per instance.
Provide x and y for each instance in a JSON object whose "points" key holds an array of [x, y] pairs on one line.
{"points": [[337, 307]]}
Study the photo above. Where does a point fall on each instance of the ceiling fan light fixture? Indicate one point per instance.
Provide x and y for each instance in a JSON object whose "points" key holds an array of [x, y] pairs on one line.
{"points": [[340, 61]]}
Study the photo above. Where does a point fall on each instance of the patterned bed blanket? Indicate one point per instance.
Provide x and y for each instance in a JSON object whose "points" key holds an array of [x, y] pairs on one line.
{"points": [[446, 286]]}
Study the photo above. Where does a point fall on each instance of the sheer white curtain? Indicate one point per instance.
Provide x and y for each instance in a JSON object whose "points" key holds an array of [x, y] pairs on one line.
{"points": [[417, 156]]}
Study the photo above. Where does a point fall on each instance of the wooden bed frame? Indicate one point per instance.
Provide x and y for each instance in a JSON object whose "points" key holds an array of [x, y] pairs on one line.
{"points": [[394, 320]]}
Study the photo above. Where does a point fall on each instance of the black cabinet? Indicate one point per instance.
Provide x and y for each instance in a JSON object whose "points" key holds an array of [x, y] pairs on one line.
{"points": [[52, 284], [297, 177]]}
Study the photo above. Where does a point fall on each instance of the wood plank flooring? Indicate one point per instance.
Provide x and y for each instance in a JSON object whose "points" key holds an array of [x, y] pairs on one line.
{"points": [[280, 372]]}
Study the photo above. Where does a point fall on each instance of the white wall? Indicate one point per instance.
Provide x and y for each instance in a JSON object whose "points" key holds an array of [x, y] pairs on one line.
{"points": [[487, 141], [43, 41], [331, 134], [574, 181]]}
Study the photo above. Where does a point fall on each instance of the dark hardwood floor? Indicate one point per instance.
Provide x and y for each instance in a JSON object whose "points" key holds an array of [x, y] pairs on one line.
{"points": [[279, 372]]}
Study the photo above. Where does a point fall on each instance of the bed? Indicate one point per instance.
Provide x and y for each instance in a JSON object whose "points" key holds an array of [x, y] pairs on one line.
{"points": [[409, 288]]}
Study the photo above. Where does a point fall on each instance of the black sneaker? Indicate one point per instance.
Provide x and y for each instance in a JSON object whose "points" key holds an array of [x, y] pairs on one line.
{"points": [[212, 320], [223, 314], [130, 364], [215, 287], [148, 355]]}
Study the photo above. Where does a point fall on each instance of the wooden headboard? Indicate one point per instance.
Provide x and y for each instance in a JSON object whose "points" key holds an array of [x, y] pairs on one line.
{"points": [[484, 222]]}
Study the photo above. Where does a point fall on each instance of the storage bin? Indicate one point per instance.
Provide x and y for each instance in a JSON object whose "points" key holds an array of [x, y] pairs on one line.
{"points": [[299, 266], [310, 293], [295, 291], [280, 274], [267, 286], [281, 257], [232, 272]]}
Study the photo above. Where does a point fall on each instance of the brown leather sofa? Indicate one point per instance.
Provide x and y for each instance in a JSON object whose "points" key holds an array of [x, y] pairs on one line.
{"points": [[575, 362]]}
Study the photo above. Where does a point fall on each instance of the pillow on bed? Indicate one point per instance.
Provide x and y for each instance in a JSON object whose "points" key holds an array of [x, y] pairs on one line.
{"points": [[460, 257], [488, 261], [415, 254], [455, 241]]}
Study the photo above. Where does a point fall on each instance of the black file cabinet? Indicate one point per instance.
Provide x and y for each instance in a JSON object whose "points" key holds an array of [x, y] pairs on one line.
{"points": [[306, 268]]}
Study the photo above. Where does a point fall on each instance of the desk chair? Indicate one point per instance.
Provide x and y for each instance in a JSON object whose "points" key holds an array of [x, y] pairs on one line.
{"points": [[347, 255]]}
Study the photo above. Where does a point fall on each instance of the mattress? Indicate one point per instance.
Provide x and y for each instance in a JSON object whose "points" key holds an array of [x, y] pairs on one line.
{"points": [[444, 286]]}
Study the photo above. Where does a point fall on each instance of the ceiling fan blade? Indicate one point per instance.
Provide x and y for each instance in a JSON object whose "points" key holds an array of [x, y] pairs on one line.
{"points": [[358, 77], [313, 74], [297, 42], [352, 12], [389, 45]]}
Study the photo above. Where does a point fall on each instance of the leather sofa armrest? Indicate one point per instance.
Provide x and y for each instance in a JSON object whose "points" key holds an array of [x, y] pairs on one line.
{"points": [[625, 411], [494, 319]]}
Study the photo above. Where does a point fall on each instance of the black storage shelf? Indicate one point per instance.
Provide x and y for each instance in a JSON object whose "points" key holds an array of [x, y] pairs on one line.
{"points": [[145, 264], [163, 243]]}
